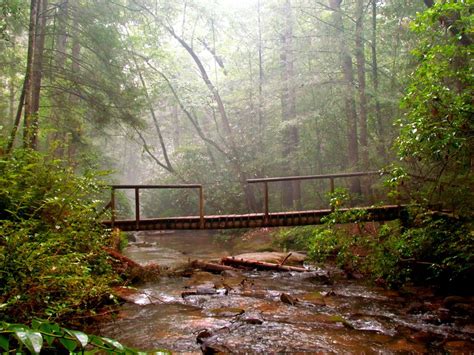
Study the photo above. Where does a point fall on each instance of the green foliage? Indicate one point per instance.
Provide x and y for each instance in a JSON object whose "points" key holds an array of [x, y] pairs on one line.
{"points": [[44, 336], [294, 238], [338, 197], [434, 248], [436, 133], [10, 10], [51, 259]]}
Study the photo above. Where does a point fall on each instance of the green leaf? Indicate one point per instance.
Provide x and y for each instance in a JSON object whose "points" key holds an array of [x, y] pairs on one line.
{"points": [[80, 336], [50, 328], [5, 342], [97, 341], [32, 340], [114, 343], [68, 344]]}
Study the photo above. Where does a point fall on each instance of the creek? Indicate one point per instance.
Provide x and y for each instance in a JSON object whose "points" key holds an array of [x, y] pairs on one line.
{"points": [[268, 312]]}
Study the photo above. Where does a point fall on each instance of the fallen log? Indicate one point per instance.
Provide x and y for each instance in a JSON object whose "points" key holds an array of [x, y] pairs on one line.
{"points": [[254, 264], [212, 267], [122, 258]]}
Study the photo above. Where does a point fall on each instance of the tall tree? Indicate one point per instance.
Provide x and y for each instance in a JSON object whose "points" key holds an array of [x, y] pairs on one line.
{"points": [[291, 190], [360, 60], [348, 93], [32, 94]]}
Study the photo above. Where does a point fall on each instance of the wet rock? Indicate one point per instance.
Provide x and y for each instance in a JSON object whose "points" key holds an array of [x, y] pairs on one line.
{"points": [[469, 328], [251, 318], [380, 282], [127, 294], [230, 274], [334, 321], [226, 312], [353, 275], [463, 309], [450, 301], [286, 298], [200, 290], [206, 289], [202, 278], [204, 334], [417, 308], [421, 336], [459, 346], [320, 277], [143, 245], [185, 294], [214, 349], [440, 316], [405, 346], [132, 237], [233, 282], [315, 298]]}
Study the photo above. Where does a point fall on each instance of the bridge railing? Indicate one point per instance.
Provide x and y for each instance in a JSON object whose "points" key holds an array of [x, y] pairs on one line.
{"points": [[137, 189], [330, 177]]}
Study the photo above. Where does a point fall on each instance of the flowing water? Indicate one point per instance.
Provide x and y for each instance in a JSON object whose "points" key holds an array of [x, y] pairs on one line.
{"points": [[268, 312]]}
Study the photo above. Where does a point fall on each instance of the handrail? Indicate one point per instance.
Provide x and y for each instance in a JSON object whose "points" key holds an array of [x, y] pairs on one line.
{"points": [[172, 186], [314, 177], [137, 198], [331, 178]]}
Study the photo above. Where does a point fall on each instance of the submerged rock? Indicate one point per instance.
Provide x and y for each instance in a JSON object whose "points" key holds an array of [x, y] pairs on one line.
{"points": [[315, 298], [231, 274], [226, 312], [286, 298], [320, 277]]}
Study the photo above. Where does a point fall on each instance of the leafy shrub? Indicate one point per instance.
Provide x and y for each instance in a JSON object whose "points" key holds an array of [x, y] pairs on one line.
{"points": [[433, 249], [51, 260], [294, 238]]}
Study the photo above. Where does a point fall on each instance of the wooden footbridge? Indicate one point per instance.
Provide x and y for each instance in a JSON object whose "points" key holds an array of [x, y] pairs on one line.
{"points": [[249, 220]]}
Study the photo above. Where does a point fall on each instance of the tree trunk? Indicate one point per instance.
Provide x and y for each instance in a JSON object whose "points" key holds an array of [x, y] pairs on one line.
{"points": [[260, 75], [349, 102], [360, 59], [26, 102], [375, 84], [38, 71], [73, 137], [57, 117], [11, 87], [291, 190]]}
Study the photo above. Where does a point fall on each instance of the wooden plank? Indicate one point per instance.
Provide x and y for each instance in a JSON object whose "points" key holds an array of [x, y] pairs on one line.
{"points": [[275, 219]]}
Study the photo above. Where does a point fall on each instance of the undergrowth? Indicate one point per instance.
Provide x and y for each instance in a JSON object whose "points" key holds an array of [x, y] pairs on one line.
{"points": [[430, 248], [52, 264]]}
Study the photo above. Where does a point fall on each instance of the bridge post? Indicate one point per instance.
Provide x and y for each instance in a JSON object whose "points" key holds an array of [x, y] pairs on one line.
{"points": [[265, 198], [332, 189], [112, 206], [201, 208], [137, 208]]}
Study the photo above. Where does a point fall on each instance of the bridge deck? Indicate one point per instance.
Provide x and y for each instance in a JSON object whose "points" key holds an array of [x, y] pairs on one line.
{"points": [[251, 220]]}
